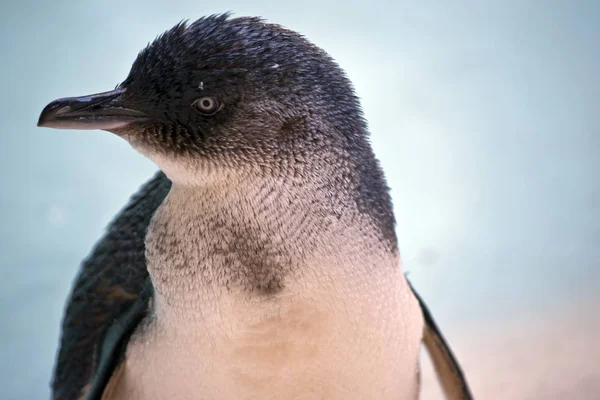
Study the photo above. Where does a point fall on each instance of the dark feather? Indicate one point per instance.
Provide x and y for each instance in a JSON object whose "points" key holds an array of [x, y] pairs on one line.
{"points": [[447, 368], [114, 345], [109, 283]]}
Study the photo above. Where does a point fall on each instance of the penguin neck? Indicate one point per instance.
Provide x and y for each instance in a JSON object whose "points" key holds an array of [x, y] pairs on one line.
{"points": [[258, 236]]}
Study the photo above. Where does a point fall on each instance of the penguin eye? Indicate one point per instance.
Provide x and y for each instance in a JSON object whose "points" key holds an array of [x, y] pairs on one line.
{"points": [[207, 105]]}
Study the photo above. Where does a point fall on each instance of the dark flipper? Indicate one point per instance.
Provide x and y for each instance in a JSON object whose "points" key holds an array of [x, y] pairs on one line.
{"points": [[109, 283], [449, 372], [115, 342]]}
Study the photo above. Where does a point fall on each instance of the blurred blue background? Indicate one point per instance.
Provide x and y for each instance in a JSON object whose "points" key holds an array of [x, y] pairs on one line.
{"points": [[485, 115]]}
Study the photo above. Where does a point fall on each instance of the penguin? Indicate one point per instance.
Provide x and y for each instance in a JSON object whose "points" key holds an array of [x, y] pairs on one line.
{"points": [[261, 261]]}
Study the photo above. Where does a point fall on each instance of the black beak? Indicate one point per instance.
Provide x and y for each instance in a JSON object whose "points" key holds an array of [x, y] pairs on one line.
{"points": [[96, 111]]}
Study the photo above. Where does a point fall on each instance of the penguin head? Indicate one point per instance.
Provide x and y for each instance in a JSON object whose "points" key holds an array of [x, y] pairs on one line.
{"points": [[225, 98], [232, 92]]}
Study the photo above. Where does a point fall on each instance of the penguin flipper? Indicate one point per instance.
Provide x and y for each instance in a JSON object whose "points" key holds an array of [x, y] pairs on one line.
{"points": [[108, 285], [448, 370], [115, 341]]}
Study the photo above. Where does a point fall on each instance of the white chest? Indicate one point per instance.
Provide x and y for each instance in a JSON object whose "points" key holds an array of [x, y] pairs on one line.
{"points": [[316, 340]]}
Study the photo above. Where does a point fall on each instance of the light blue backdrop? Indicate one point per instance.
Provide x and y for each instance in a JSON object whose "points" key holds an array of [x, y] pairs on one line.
{"points": [[485, 116]]}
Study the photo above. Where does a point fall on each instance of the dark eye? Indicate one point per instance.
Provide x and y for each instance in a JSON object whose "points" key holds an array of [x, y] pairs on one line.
{"points": [[207, 105]]}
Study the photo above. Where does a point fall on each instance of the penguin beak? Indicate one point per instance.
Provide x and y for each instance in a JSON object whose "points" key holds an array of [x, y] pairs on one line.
{"points": [[96, 111]]}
